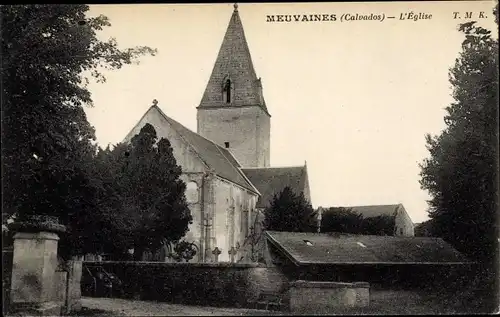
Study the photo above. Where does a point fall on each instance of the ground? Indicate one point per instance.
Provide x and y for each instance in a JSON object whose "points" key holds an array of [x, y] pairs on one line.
{"points": [[382, 302], [123, 307]]}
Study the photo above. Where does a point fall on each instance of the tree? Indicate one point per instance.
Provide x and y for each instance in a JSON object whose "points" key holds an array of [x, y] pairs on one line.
{"points": [[382, 225], [289, 212], [47, 144], [148, 208], [424, 229], [461, 172], [339, 219], [345, 220]]}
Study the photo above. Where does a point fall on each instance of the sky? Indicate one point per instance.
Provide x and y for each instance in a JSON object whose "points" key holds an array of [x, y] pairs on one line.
{"points": [[353, 99]]}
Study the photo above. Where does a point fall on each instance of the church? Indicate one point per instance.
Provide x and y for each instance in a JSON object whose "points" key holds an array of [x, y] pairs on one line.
{"points": [[226, 162]]}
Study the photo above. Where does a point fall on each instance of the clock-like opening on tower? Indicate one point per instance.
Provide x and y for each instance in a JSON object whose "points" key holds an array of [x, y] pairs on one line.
{"points": [[226, 144]]}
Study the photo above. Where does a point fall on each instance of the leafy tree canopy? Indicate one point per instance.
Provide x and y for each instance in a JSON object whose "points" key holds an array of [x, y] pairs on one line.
{"points": [[461, 172], [345, 220], [424, 229], [47, 143]]}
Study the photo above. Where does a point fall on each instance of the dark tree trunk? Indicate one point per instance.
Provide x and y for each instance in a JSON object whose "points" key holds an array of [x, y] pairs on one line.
{"points": [[138, 252]]}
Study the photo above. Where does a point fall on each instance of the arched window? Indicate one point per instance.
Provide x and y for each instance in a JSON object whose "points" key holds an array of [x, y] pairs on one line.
{"points": [[226, 90], [192, 192]]}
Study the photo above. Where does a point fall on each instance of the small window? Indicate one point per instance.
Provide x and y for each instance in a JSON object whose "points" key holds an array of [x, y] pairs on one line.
{"points": [[226, 144], [226, 91]]}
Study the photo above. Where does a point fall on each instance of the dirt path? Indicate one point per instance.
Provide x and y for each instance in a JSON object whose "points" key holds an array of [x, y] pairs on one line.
{"points": [[125, 307], [382, 302]]}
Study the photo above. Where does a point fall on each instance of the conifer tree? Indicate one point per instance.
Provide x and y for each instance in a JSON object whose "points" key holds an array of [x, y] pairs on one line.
{"points": [[289, 212], [149, 208]]}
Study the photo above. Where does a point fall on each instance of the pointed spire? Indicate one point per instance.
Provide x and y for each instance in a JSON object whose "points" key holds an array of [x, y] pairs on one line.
{"points": [[233, 81]]}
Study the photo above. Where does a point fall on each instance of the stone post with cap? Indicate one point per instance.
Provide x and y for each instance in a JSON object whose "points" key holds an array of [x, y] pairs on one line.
{"points": [[33, 288]]}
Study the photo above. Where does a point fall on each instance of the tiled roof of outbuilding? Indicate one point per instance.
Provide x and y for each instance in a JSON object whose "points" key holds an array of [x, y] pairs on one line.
{"points": [[334, 248]]}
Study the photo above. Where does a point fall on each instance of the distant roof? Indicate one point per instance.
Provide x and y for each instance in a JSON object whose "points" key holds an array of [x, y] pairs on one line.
{"points": [[214, 156], [272, 180], [375, 210], [338, 248]]}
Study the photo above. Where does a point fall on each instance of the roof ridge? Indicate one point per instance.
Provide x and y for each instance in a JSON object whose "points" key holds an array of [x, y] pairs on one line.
{"points": [[187, 127], [237, 168], [273, 167], [139, 121], [180, 134], [169, 118], [241, 171], [218, 147], [373, 205]]}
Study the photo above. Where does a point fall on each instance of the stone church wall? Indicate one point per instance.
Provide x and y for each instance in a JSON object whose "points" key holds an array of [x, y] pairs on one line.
{"points": [[193, 196], [247, 129], [230, 203]]}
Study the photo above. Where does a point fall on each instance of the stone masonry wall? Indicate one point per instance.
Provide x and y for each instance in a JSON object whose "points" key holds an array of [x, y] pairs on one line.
{"points": [[247, 129], [221, 284], [327, 297]]}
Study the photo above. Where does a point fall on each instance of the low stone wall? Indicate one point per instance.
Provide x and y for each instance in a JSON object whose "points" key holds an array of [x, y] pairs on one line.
{"points": [[265, 279], [73, 289], [211, 284], [326, 297]]}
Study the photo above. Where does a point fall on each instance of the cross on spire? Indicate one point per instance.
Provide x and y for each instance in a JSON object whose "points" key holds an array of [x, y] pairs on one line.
{"points": [[155, 102], [234, 63]]}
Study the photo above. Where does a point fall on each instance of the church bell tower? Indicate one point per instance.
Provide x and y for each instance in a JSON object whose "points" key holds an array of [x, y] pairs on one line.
{"points": [[232, 111]]}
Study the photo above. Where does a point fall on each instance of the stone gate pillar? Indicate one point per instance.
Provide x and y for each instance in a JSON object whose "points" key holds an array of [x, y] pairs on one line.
{"points": [[34, 288]]}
